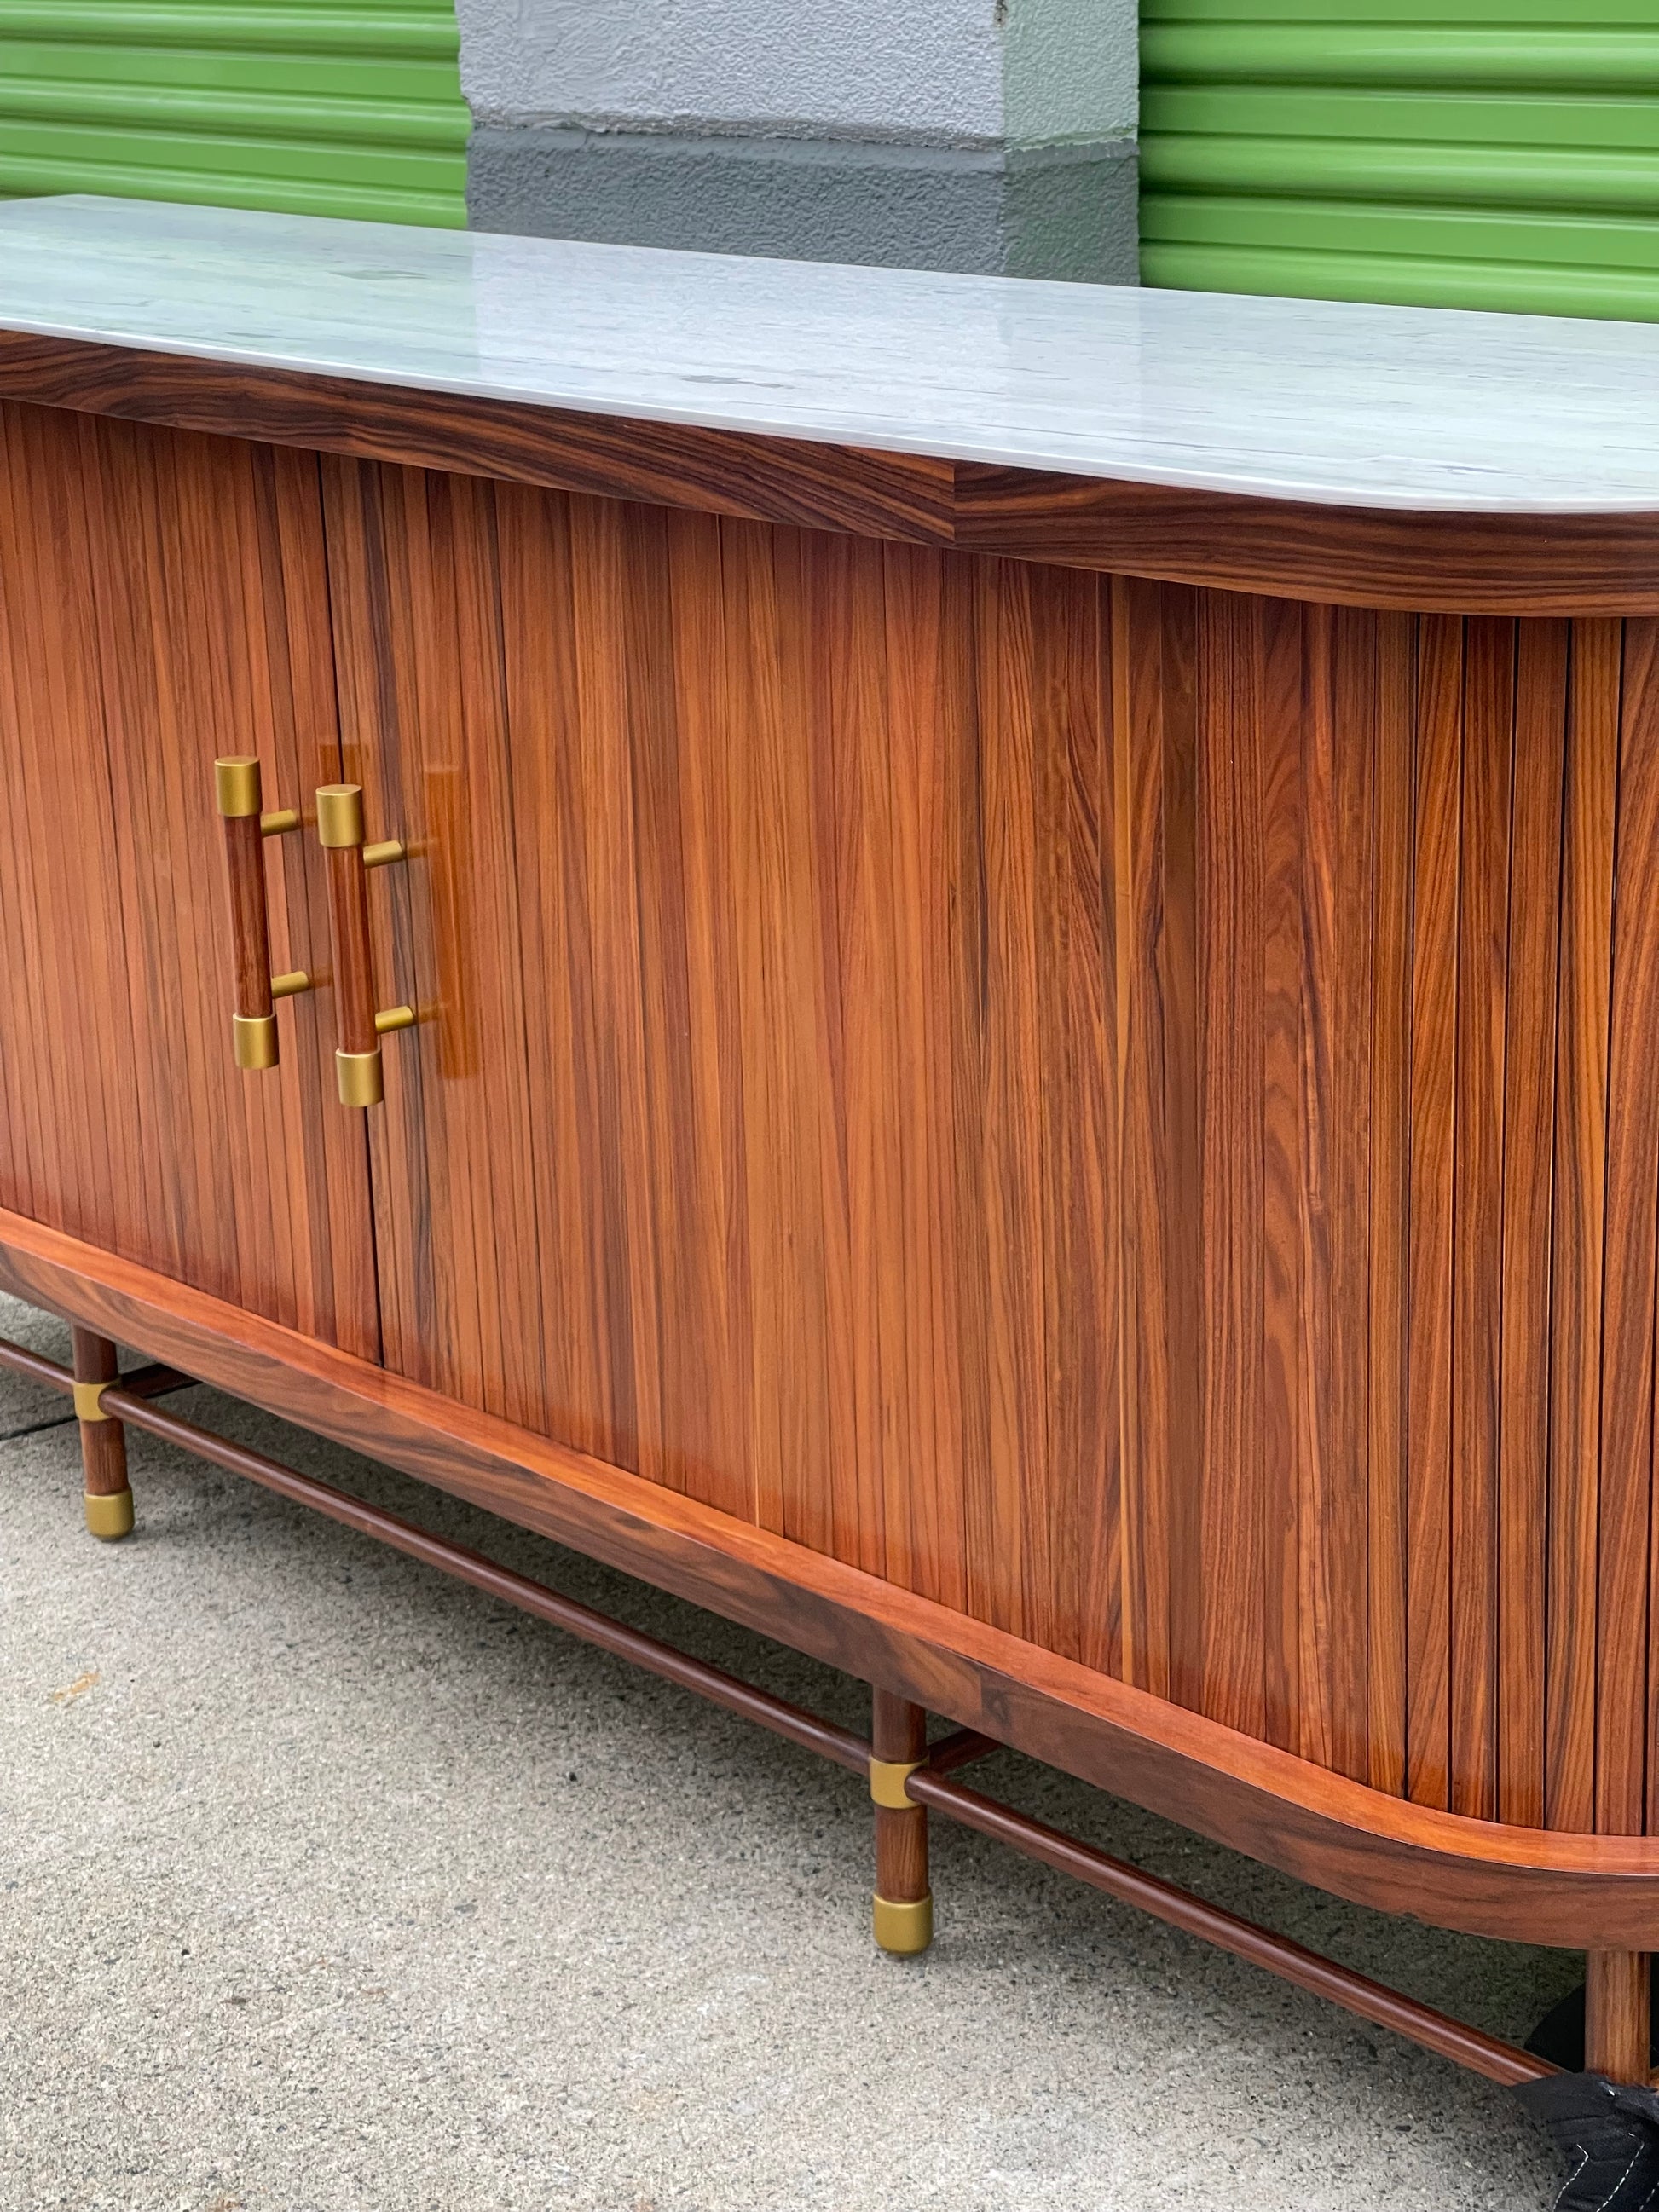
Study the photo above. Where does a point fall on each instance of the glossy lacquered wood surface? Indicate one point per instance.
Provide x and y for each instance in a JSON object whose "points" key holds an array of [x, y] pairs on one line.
{"points": [[757, 875], [1483, 1876], [830, 486], [1122, 1112], [1119, 1110], [1511, 563], [1343, 555], [163, 599]]}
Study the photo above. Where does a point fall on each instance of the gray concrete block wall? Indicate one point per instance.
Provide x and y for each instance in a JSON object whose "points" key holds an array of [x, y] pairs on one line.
{"points": [[979, 135]]}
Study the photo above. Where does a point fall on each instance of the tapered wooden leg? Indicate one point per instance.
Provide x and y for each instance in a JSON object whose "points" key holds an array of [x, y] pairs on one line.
{"points": [[1617, 2014], [904, 1903], [103, 1440]]}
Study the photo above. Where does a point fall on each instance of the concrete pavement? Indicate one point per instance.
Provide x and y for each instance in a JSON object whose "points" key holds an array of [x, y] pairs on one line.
{"points": [[326, 1883]]}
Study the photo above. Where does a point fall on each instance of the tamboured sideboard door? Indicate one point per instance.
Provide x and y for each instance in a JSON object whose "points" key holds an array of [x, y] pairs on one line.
{"points": [[163, 599], [755, 873]]}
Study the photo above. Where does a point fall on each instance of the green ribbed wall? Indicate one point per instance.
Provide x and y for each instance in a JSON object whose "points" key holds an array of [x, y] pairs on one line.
{"points": [[1503, 153], [306, 106]]}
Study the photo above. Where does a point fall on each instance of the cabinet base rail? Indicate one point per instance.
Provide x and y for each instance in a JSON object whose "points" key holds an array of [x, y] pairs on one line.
{"points": [[927, 1783]]}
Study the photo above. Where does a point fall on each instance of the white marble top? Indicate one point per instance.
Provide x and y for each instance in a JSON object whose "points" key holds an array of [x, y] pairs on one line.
{"points": [[1400, 407]]}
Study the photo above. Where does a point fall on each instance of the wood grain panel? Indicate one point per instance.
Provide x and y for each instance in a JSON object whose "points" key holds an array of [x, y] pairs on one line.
{"points": [[1120, 1112], [422, 732], [830, 486], [1304, 550], [1371, 557], [1076, 1099], [761, 844], [49, 685], [164, 600]]}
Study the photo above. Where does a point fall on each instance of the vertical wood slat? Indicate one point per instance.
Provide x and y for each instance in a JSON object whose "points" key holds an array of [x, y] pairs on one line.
{"points": [[1337, 1096], [1295, 950], [1391, 1106], [687, 785], [1632, 1193], [792, 1428], [1076, 934], [1433, 1051], [1529, 1091], [924, 651], [1008, 1199], [873, 1152], [621, 700], [1483, 981], [1154, 656], [1590, 800], [1226, 1671]]}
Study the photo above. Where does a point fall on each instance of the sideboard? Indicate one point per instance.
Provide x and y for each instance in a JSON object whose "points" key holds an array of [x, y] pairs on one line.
{"points": [[968, 968]]}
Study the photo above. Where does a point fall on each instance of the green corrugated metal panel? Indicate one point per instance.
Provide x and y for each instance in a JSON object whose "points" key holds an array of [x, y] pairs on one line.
{"points": [[311, 107], [1480, 153]]}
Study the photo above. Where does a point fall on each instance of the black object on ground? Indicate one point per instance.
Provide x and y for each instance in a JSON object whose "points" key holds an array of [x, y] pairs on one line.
{"points": [[1608, 2133]]}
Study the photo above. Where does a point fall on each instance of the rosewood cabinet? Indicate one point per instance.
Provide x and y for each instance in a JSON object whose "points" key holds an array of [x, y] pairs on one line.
{"points": [[1029, 1068]]}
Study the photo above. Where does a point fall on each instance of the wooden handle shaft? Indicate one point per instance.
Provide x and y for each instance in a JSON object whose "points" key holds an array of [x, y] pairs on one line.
{"points": [[340, 828], [250, 930], [353, 966]]}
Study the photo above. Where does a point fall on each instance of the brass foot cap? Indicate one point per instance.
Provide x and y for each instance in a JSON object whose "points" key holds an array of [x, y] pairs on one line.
{"points": [[110, 1515], [905, 1927]]}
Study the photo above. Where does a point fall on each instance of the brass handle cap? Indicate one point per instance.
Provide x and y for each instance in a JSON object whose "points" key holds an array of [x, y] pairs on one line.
{"points": [[236, 785], [340, 815]]}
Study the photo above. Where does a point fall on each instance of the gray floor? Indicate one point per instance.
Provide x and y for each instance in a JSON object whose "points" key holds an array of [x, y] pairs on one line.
{"points": [[328, 1883]]}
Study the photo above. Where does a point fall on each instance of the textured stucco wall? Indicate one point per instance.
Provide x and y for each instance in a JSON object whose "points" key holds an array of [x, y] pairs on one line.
{"points": [[948, 134], [920, 69], [1070, 70]]}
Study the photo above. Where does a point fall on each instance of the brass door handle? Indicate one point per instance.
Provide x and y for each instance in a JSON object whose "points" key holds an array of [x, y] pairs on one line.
{"points": [[357, 1066], [253, 1024]]}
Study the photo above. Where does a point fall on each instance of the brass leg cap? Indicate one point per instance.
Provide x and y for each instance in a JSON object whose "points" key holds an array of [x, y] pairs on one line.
{"points": [[110, 1515], [905, 1927]]}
